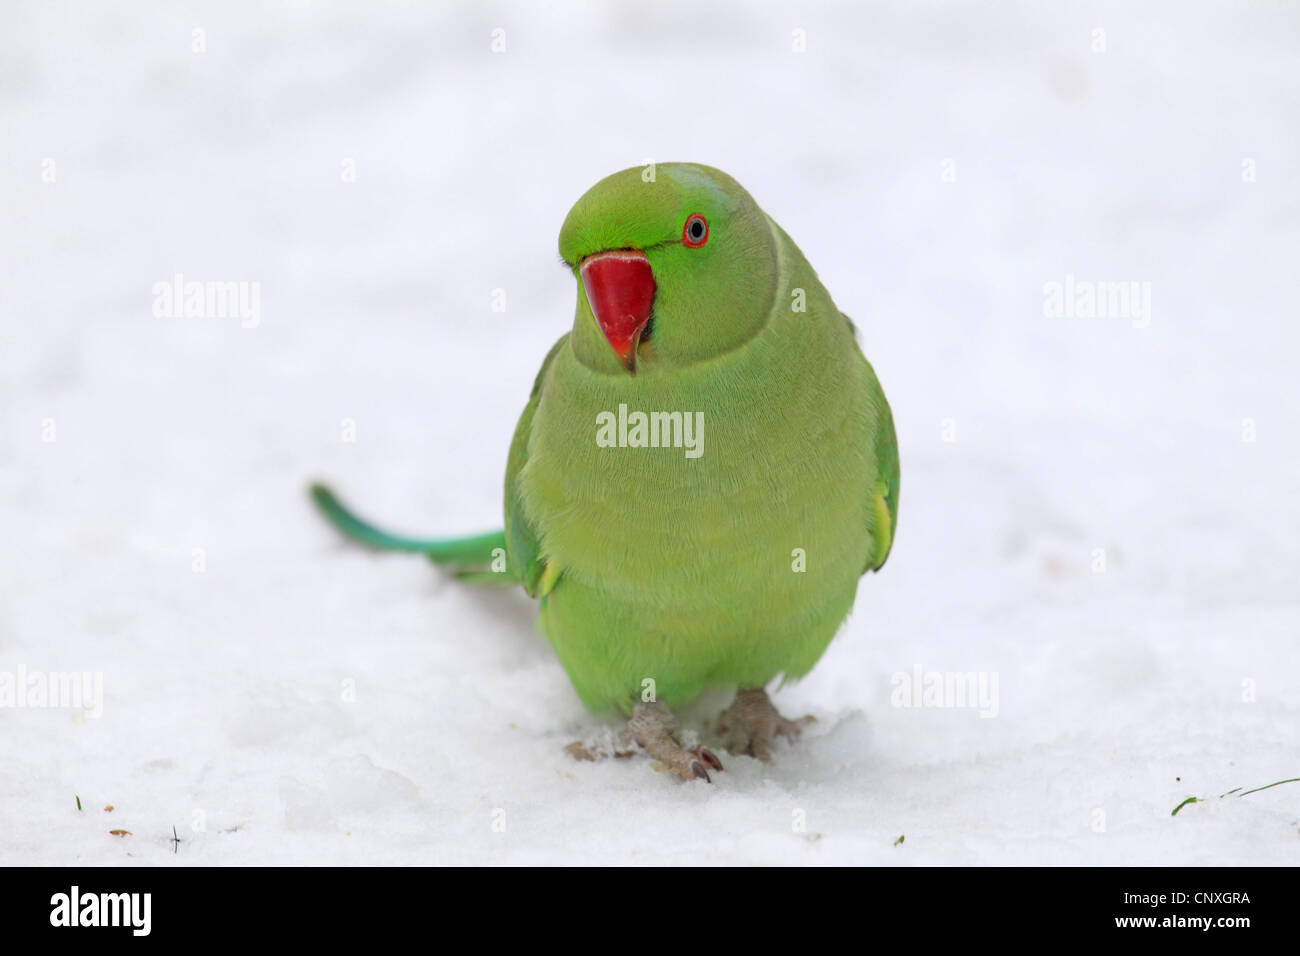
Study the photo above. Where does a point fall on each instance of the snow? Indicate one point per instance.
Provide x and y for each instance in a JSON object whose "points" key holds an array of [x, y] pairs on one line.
{"points": [[1082, 512]]}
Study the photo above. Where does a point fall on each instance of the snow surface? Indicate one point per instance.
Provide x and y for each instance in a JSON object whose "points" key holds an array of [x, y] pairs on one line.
{"points": [[225, 689]]}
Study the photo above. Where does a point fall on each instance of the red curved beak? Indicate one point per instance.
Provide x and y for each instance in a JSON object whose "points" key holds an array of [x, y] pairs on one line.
{"points": [[620, 290]]}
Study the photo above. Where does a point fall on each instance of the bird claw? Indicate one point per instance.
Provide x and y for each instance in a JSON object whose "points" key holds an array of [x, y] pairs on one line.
{"points": [[689, 763], [751, 725], [707, 756], [656, 730], [705, 759]]}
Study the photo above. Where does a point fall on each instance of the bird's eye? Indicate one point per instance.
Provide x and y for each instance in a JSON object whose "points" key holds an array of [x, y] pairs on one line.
{"points": [[696, 231]]}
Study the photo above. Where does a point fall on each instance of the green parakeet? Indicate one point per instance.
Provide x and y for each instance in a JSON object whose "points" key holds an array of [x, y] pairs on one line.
{"points": [[705, 468]]}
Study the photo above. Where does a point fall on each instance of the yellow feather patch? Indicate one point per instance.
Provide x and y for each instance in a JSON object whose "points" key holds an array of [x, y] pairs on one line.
{"points": [[884, 532], [546, 582]]}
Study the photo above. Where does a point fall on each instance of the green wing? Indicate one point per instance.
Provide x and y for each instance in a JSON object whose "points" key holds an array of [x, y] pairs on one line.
{"points": [[523, 544]]}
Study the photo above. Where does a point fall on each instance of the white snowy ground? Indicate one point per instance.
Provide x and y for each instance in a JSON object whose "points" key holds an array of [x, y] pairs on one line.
{"points": [[224, 690]]}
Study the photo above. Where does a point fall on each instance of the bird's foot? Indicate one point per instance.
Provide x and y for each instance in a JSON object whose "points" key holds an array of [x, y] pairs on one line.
{"points": [[751, 725], [587, 750], [654, 729]]}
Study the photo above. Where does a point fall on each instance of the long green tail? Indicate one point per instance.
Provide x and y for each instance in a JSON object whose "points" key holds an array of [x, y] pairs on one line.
{"points": [[465, 553]]}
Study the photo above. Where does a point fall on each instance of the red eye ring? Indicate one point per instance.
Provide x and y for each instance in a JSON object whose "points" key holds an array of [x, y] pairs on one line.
{"points": [[695, 232]]}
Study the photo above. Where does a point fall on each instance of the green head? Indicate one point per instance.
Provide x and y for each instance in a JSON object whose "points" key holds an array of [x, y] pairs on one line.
{"points": [[675, 263]]}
